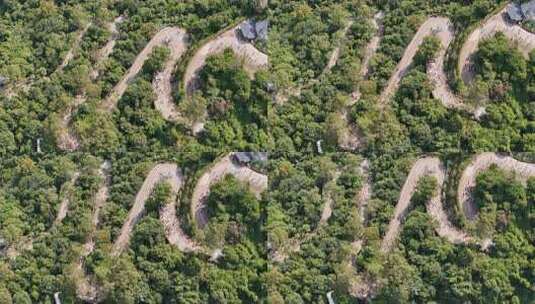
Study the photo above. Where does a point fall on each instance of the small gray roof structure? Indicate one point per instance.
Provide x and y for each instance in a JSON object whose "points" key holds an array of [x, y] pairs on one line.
{"points": [[261, 28], [514, 12], [247, 157], [528, 10], [247, 29]]}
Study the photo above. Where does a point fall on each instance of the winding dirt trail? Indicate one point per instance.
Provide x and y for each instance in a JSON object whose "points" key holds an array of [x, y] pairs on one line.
{"points": [[64, 205], [294, 244], [170, 173], [432, 166], [439, 26], [428, 166], [481, 163], [257, 184], [86, 288], [26, 242], [350, 140], [493, 25], [162, 81], [67, 140], [366, 190], [171, 36], [374, 43], [283, 96], [106, 50], [335, 55], [252, 58], [70, 54]]}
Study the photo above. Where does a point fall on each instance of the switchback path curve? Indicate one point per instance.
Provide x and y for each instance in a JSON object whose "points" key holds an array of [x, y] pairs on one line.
{"points": [[493, 25], [441, 28], [170, 173], [432, 166], [175, 37], [257, 183], [427, 166], [480, 163], [252, 58], [67, 140]]}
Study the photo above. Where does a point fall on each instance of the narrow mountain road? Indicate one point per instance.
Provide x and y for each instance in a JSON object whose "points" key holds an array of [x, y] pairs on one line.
{"points": [[480, 163], [493, 25], [253, 58], [162, 81], [257, 184]]}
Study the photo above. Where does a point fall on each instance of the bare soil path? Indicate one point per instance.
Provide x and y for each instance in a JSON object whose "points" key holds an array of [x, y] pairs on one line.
{"points": [[70, 54], [257, 184], [162, 81], [252, 58], [283, 96], [365, 192], [294, 244]]}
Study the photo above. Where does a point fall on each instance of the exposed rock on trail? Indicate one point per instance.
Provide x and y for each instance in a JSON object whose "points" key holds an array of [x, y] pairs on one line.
{"points": [[257, 184], [253, 58]]}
